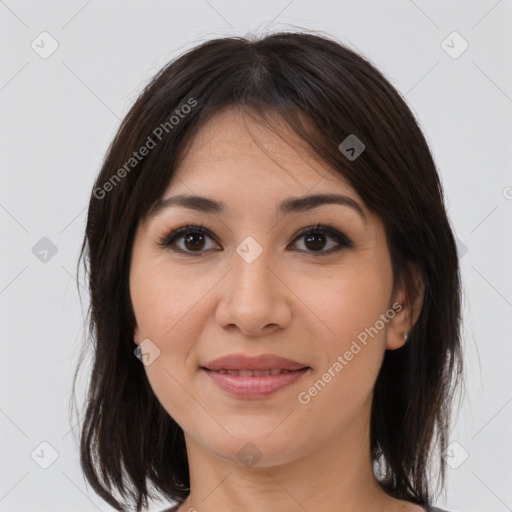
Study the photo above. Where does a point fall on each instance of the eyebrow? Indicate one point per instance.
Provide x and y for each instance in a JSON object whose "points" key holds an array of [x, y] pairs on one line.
{"points": [[286, 207]]}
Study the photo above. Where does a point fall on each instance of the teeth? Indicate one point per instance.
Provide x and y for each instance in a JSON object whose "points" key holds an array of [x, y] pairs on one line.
{"points": [[253, 373]]}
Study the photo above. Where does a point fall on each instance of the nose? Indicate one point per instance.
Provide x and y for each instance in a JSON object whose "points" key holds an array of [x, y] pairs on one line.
{"points": [[255, 298]]}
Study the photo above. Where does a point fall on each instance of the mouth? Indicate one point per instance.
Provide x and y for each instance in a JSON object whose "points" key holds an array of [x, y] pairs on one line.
{"points": [[252, 384], [254, 373]]}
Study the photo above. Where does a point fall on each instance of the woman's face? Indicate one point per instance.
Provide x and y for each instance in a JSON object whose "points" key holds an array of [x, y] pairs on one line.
{"points": [[252, 285]]}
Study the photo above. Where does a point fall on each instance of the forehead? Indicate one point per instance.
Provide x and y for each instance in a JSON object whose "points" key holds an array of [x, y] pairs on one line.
{"points": [[237, 156], [237, 147]]}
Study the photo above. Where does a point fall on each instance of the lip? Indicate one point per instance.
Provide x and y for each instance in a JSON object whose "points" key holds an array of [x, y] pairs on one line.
{"points": [[261, 362], [254, 386], [257, 386]]}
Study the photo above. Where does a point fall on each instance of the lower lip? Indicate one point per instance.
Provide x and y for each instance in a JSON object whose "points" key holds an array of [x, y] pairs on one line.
{"points": [[255, 387]]}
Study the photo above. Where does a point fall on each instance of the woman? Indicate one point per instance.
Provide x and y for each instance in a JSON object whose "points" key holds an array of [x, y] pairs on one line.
{"points": [[275, 290]]}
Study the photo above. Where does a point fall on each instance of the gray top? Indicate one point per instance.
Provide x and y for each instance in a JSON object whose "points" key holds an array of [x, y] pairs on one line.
{"points": [[428, 509]]}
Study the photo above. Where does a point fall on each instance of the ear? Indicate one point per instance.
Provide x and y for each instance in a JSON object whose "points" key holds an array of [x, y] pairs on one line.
{"points": [[407, 309]]}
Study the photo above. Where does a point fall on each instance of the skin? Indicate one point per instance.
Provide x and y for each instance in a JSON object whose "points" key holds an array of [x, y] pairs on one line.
{"points": [[289, 301]]}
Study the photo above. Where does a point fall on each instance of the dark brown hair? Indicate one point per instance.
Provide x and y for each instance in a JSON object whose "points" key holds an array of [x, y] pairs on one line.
{"points": [[325, 92]]}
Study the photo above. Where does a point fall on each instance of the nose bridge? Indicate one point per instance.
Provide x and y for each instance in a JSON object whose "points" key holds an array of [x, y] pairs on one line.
{"points": [[252, 273], [252, 266], [253, 296]]}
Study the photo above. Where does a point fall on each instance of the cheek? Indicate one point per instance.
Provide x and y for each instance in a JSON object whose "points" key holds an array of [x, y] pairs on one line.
{"points": [[351, 358], [348, 302], [165, 313], [351, 336], [164, 302], [170, 310]]}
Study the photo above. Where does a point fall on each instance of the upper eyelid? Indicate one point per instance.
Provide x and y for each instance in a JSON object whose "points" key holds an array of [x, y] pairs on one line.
{"points": [[173, 235], [201, 228]]}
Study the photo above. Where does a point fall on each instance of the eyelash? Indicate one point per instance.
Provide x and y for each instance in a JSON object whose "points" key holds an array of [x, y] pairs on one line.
{"points": [[165, 241]]}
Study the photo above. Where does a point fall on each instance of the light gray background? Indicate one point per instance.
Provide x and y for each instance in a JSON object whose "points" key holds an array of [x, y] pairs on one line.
{"points": [[59, 114]]}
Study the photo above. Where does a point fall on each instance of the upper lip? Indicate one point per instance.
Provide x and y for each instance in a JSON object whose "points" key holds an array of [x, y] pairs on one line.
{"points": [[261, 362]]}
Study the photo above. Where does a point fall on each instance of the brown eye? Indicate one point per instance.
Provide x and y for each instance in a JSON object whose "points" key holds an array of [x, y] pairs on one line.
{"points": [[194, 241], [188, 239], [316, 239]]}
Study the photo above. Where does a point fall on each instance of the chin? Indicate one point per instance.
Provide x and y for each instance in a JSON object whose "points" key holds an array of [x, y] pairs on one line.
{"points": [[255, 443]]}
